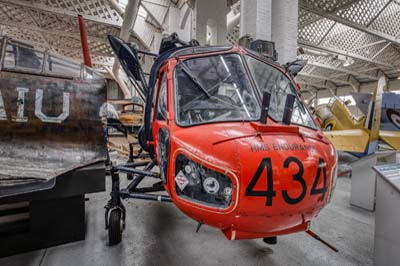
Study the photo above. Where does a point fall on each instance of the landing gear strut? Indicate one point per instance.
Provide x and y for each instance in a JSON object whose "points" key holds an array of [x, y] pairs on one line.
{"points": [[115, 211]]}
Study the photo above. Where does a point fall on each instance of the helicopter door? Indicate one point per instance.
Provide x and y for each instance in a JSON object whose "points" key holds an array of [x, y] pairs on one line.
{"points": [[160, 125]]}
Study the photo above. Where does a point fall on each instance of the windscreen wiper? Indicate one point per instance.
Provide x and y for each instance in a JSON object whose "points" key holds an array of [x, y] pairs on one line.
{"points": [[194, 79]]}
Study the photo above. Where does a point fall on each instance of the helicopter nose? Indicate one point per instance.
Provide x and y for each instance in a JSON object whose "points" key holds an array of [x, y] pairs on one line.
{"points": [[286, 183]]}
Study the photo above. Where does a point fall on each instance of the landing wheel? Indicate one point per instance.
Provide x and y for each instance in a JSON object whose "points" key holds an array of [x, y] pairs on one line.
{"points": [[270, 240], [115, 227], [329, 127]]}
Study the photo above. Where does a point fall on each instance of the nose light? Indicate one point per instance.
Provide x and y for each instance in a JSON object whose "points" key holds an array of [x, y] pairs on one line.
{"points": [[197, 183], [188, 169], [211, 185]]}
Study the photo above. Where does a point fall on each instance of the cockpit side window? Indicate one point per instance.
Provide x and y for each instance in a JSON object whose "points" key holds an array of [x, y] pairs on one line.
{"points": [[270, 79], [56, 65], [23, 58], [162, 99]]}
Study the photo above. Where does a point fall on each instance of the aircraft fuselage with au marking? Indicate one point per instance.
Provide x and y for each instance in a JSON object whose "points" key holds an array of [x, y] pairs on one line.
{"points": [[20, 107]]}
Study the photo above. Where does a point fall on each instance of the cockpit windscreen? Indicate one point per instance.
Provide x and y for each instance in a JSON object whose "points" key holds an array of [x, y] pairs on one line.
{"points": [[214, 89]]}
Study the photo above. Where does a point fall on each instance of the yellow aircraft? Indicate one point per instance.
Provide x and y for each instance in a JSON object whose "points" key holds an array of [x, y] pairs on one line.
{"points": [[336, 116], [361, 135]]}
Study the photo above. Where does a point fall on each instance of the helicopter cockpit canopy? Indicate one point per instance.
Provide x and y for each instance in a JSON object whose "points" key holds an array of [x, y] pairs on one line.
{"points": [[214, 89], [219, 88]]}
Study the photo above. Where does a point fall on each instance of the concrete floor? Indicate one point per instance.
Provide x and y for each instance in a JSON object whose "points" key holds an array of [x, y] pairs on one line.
{"points": [[159, 234]]}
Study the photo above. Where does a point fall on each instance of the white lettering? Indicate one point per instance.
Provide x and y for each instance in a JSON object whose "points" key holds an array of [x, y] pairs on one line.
{"points": [[44, 118], [21, 105], [3, 114]]}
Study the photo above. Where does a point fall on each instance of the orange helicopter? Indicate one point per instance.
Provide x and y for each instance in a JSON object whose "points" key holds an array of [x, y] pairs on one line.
{"points": [[236, 147]]}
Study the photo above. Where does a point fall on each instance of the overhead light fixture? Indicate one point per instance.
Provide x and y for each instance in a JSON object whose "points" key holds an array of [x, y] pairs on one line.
{"points": [[348, 62]]}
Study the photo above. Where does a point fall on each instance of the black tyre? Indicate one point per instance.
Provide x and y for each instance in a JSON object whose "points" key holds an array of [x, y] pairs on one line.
{"points": [[114, 227], [329, 127], [394, 117], [142, 139]]}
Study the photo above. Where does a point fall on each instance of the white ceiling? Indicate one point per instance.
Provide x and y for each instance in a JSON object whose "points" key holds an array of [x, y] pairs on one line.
{"points": [[346, 42]]}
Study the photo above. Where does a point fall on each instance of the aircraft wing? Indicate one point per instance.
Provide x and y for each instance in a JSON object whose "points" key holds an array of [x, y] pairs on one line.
{"points": [[391, 137], [354, 140]]}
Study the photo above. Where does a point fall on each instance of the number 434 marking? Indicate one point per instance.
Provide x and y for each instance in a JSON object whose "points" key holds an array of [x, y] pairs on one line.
{"points": [[270, 193]]}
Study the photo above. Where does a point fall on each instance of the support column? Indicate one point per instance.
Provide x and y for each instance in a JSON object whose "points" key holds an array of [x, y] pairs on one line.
{"points": [[179, 21], [155, 46], [255, 18], [209, 21], [129, 16], [272, 20], [131, 10], [284, 29]]}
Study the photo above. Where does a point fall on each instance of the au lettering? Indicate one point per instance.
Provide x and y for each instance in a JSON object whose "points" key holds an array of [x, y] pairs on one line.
{"points": [[20, 106]]}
